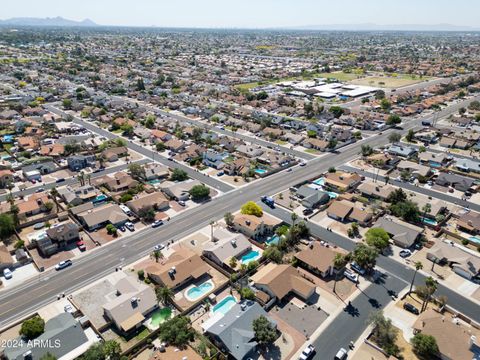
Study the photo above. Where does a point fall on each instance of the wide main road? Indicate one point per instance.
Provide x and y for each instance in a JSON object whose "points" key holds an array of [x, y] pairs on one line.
{"points": [[24, 299]]}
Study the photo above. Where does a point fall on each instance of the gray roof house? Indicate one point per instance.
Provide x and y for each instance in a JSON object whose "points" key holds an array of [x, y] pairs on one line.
{"points": [[460, 183], [311, 198], [229, 245], [233, 332], [403, 234], [63, 329], [179, 191], [402, 150], [467, 165]]}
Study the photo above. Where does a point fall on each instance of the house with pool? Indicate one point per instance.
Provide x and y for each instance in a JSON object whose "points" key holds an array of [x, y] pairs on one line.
{"points": [[318, 259], [185, 272], [231, 245], [257, 228]]}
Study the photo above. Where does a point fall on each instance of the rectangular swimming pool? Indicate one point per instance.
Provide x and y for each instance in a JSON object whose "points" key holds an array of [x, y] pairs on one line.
{"points": [[224, 305], [250, 256]]}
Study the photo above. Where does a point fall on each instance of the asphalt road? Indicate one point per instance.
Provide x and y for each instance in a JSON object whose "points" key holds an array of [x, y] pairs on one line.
{"points": [[36, 292]]}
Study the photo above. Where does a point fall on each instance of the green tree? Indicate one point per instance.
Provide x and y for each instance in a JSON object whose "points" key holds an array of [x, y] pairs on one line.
{"points": [[378, 238], [111, 229], [339, 262], [228, 217], [233, 262], [247, 293], [431, 286], [385, 104], [126, 197], [407, 210], [147, 214], [7, 226], [337, 111], [366, 150], [384, 333], [157, 254], [111, 350], [394, 137], [365, 256], [425, 346], [410, 135], [179, 175], [94, 352], [137, 171], [251, 208], [199, 192], [177, 331], [150, 121], [394, 119], [274, 254], [380, 94], [265, 332], [396, 196], [33, 327], [67, 104], [160, 146]]}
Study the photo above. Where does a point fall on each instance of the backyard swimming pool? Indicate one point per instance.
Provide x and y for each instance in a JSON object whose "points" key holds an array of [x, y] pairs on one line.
{"points": [[250, 256], [474, 239], [153, 182], [260, 171], [196, 292], [319, 181], [100, 198], [224, 305], [159, 317], [429, 221], [332, 194], [273, 240]]}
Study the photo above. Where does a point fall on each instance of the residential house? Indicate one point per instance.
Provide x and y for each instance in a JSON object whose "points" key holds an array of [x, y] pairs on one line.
{"points": [[342, 181], [462, 262], [113, 154], [318, 259], [154, 171], [458, 182], [469, 222], [61, 329], [181, 267], [375, 190], [79, 162], [402, 233], [416, 170], [76, 195], [282, 281], [316, 144], [233, 332], [159, 135], [344, 210], [255, 227], [100, 216], [227, 245], [58, 237], [455, 339], [311, 197], [250, 151], [6, 178], [467, 165], [120, 181], [155, 200], [402, 150], [6, 260], [130, 303], [214, 159], [179, 191], [434, 160], [175, 145]]}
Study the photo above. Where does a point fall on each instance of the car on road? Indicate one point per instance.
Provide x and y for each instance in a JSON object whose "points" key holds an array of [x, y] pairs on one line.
{"points": [[341, 354], [157, 223], [181, 203], [159, 247], [307, 353], [7, 274], [221, 173], [350, 275], [63, 264], [411, 308], [68, 309], [303, 163], [60, 180], [357, 268], [130, 226], [81, 245], [39, 190], [405, 253], [289, 170], [268, 201]]}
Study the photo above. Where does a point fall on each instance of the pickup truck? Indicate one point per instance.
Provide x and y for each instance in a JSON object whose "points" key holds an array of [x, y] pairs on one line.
{"points": [[307, 353]]}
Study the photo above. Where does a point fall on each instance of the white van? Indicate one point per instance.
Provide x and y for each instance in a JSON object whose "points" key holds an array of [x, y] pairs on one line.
{"points": [[126, 210]]}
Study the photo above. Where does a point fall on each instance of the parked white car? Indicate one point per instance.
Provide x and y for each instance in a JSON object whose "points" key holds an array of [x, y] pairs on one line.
{"points": [[7, 274]]}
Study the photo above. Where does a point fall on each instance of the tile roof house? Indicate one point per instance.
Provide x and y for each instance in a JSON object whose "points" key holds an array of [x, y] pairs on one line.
{"points": [[282, 280], [255, 227], [342, 181], [469, 222], [117, 182], [317, 144], [180, 268], [455, 339], [318, 259], [113, 154], [62, 329], [233, 332], [374, 190], [76, 195], [179, 191], [130, 303], [155, 200], [403, 234], [344, 210], [414, 168]]}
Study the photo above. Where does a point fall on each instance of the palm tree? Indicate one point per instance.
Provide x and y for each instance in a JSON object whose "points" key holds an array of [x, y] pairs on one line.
{"points": [[164, 294], [387, 179], [339, 262], [157, 254], [418, 266], [431, 285], [294, 218], [89, 179]]}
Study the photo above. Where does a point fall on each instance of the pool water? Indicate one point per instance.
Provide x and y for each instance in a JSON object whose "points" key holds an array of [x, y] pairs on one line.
{"points": [[153, 182], [332, 194], [250, 256], [160, 316], [429, 221], [273, 240], [474, 239], [224, 305], [260, 171], [100, 198], [319, 181], [197, 292]]}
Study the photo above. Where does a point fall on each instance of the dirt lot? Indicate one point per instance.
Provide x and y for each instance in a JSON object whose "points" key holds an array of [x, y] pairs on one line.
{"points": [[387, 82]]}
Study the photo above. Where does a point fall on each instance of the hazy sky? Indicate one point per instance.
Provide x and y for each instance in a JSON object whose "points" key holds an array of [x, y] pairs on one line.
{"points": [[250, 13]]}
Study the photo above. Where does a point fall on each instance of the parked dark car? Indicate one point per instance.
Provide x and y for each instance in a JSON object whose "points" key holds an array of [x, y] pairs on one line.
{"points": [[409, 307]]}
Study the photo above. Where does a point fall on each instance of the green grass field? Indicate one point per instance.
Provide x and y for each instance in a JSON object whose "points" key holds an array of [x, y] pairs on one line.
{"points": [[389, 82]]}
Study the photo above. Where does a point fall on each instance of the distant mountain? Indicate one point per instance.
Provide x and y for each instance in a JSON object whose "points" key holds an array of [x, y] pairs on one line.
{"points": [[397, 27], [55, 21]]}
